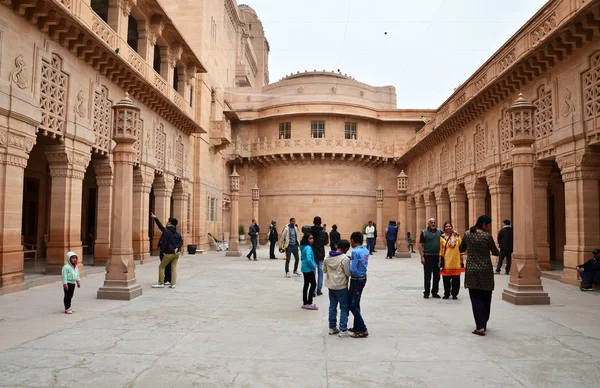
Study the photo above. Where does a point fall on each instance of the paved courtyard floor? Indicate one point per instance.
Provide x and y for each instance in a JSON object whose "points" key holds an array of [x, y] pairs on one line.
{"points": [[235, 323]]}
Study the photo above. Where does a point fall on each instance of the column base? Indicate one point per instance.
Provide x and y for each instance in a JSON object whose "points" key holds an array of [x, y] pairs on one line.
{"points": [[120, 290], [403, 255], [12, 279], [231, 253], [522, 298], [141, 257], [100, 261]]}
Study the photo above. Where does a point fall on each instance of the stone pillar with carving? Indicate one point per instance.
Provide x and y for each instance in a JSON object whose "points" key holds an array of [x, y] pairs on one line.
{"points": [[118, 16], [402, 249], [580, 173], [541, 176], [143, 176], [180, 204], [14, 152], [421, 218], [163, 190], [120, 281], [443, 206], [380, 226], [458, 208], [412, 215], [104, 180], [476, 196], [255, 200], [500, 190], [525, 284], [234, 238], [67, 169], [430, 207]]}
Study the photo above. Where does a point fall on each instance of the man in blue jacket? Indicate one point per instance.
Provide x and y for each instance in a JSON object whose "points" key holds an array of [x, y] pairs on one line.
{"points": [[358, 280], [590, 272]]}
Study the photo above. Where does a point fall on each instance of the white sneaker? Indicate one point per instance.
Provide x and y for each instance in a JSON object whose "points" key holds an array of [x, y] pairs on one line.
{"points": [[172, 286], [68, 311], [334, 331], [344, 334], [167, 283], [158, 286], [287, 275]]}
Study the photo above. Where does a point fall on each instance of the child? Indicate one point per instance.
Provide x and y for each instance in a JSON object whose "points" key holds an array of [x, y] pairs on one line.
{"points": [[337, 271], [308, 270], [358, 280], [70, 277], [410, 243]]}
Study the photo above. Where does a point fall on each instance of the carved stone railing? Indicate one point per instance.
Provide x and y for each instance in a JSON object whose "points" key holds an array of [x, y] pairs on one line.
{"points": [[220, 134]]}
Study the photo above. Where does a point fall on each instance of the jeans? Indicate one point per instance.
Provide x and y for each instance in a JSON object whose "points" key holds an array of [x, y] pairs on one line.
{"points": [[319, 275], [391, 248], [307, 294], [69, 295], [481, 301], [167, 269], [451, 285], [432, 267], [354, 294], [370, 244], [588, 279], [292, 249], [254, 241], [169, 258], [508, 256], [341, 297]]}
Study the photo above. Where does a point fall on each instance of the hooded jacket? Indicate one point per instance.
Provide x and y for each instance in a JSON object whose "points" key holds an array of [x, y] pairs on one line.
{"points": [[70, 272], [337, 270], [308, 259]]}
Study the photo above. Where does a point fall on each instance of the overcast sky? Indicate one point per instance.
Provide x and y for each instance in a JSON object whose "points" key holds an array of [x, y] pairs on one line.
{"points": [[431, 46]]}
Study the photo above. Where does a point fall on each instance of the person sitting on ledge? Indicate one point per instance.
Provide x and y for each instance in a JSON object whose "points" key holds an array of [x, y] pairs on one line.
{"points": [[590, 272]]}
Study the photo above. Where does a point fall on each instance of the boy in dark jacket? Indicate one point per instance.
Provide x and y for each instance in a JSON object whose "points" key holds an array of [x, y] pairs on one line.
{"points": [[273, 238], [334, 237], [162, 254], [590, 272], [170, 243], [320, 240]]}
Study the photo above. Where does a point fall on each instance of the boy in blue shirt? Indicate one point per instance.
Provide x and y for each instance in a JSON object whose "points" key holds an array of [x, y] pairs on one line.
{"points": [[358, 280]]}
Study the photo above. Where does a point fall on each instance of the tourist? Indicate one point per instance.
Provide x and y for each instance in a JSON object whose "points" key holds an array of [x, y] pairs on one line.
{"points": [[70, 277], [253, 233], [170, 243], [289, 238], [374, 238], [590, 272], [273, 238], [479, 276], [320, 240], [410, 243], [337, 272], [161, 254], [451, 262], [505, 242], [391, 235], [358, 280], [308, 270], [370, 235], [429, 248], [334, 237]]}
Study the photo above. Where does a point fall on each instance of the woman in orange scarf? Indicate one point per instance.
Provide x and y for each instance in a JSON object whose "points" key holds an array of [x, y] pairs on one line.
{"points": [[451, 262]]}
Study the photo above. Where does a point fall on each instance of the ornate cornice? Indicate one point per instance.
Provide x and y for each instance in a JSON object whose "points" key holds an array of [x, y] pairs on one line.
{"points": [[66, 173], [578, 159], [580, 175]]}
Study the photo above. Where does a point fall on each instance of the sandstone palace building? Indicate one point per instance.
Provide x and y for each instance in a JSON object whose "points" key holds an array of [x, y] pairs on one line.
{"points": [[112, 109]]}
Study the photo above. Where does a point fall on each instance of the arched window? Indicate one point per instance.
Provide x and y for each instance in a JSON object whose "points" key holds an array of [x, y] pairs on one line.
{"points": [[101, 8], [132, 33], [156, 64]]}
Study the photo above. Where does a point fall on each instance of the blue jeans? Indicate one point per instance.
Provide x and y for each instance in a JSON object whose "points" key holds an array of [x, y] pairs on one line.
{"points": [[319, 275], [354, 294], [293, 249], [341, 297], [370, 244], [254, 241], [589, 278]]}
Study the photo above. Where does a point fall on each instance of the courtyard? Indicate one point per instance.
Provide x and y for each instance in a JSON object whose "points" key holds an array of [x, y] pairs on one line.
{"points": [[235, 323]]}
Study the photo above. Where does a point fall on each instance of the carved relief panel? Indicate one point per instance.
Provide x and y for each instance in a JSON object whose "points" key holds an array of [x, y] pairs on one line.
{"points": [[179, 156], [459, 150], [479, 141], [591, 89], [160, 144]]}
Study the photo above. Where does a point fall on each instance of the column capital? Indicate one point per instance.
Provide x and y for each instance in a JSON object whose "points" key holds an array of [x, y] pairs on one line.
{"points": [[13, 160], [475, 189], [163, 185], [60, 157], [579, 159]]}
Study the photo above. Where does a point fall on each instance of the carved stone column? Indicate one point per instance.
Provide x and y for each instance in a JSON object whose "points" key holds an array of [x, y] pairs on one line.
{"points": [[580, 173], [67, 169], [380, 227], [458, 208], [120, 282], [234, 237], [443, 206], [255, 199], [500, 189], [541, 176], [421, 218], [14, 152], [412, 215], [163, 190], [180, 204], [143, 176], [476, 196], [104, 180], [430, 207], [402, 249], [525, 284]]}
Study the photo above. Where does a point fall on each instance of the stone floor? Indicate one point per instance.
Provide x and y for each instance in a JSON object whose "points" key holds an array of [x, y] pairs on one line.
{"points": [[235, 323]]}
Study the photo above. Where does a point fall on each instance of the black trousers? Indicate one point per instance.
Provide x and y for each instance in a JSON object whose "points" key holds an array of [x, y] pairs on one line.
{"points": [[272, 250], [432, 267], [481, 301], [307, 294], [167, 268], [69, 295], [451, 285], [503, 255]]}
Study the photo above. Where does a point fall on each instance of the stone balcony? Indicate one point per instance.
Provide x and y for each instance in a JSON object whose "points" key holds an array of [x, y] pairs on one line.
{"points": [[269, 151], [220, 134]]}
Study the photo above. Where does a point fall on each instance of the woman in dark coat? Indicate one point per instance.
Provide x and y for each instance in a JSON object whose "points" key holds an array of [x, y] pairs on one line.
{"points": [[273, 238], [479, 275]]}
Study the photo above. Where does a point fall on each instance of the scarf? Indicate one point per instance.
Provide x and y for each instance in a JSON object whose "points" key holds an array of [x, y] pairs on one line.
{"points": [[452, 240]]}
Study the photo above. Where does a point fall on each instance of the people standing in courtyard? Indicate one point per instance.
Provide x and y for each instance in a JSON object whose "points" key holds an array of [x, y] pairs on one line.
{"points": [[391, 235], [358, 281], [505, 242], [479, 275], [308, 271], [161, 254], [590, 272], [170, 243], [451, 262], [337, 272], [429, 248], [320, 240], [273, 238], [334, 237], [370, 236], [290, 239], [410, 243], [253, 233], [70, 278]]}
